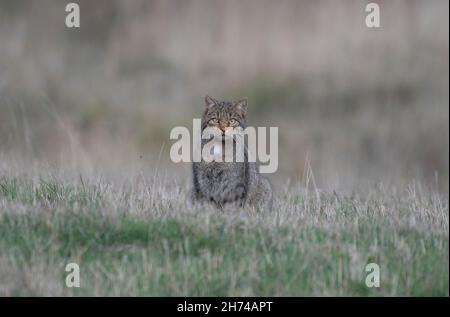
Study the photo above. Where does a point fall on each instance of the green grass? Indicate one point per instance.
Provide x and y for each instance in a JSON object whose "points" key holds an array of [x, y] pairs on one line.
{"points": [[143, 239]]}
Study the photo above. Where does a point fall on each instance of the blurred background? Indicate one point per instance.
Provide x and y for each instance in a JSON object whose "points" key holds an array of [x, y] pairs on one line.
{"points": [[362, 106]]}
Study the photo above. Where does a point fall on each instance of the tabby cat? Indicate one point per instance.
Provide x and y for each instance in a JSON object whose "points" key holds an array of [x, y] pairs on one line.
{"points": [[229, 183]]}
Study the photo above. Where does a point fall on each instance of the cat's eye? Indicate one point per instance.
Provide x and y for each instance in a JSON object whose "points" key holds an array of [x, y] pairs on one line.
{"points": [[214, 121], [233, 122]]}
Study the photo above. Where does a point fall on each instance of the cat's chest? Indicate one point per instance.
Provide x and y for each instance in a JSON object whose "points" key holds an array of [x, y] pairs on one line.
{"points": [[215, 172]]}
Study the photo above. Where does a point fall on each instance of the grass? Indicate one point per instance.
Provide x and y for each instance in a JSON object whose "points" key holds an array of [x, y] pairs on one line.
{"points": [[141, 238]]}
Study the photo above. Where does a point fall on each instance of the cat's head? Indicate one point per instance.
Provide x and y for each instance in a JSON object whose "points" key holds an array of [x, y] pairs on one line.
{"points": [[224, 114]]}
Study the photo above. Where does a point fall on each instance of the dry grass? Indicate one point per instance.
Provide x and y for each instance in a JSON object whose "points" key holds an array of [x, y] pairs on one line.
{"points": [[140, 237]]}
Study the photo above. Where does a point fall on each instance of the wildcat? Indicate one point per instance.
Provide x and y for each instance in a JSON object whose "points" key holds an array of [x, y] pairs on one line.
{"points": [[226, 183]]}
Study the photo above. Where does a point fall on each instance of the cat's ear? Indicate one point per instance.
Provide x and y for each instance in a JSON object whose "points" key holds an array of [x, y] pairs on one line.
{"points": [[241, 106], [209, 102]]}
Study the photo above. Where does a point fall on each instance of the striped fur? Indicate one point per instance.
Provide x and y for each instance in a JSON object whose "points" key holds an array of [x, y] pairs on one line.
{"points": [[226, 183]]}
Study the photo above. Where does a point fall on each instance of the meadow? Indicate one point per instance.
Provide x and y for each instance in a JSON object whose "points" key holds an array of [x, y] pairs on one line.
{"points": [[140, 238]]}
